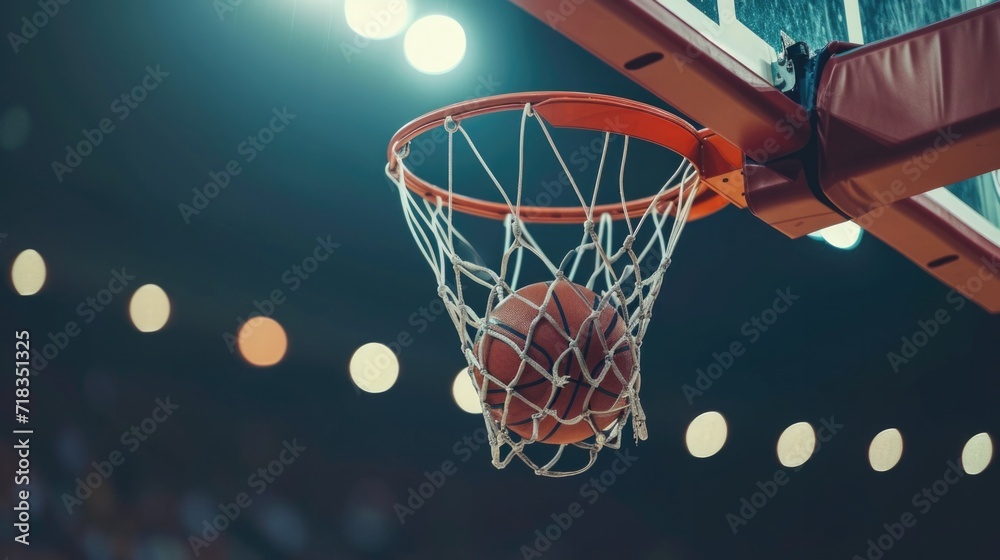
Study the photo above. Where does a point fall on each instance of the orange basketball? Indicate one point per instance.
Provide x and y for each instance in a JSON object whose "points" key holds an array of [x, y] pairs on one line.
{"points": [[570, 309]]}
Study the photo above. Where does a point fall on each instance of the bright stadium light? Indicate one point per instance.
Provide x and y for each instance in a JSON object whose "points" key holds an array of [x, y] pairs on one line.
{"points": [[377, 19], [374, 368], [463, 390], [28, 272], [435, 44], [844, 236], [149, 308]]}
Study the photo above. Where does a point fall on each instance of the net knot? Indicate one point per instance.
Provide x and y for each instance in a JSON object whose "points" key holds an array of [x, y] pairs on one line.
{"points": [[627, 243]]}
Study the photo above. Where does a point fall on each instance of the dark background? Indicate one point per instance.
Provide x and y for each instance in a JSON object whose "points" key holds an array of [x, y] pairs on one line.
{"points": [[324, 176]]}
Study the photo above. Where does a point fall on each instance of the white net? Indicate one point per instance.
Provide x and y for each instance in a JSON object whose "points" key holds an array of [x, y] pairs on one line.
{"points": [[594, 356]]}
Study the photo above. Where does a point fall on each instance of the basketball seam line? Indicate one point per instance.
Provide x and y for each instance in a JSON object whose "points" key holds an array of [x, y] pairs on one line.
{"points": [[532, 344], [515, 332], [576, 386]]}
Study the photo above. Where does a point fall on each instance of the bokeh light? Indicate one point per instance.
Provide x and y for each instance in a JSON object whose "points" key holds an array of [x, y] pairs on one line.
{"points": [[28, 272], [262, 341], [194, 509], [15, 125], [463, 390], [369, 522], [374, 368], [96, 544], [149, 308], [706, 434], [885, 450], [283, 526], [435, 44], [796, 444], [977, 454], [377, 19], [844, 236]]}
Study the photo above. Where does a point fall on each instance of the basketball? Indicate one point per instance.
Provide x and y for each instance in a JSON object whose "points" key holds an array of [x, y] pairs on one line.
{"points": [[569, 316]]}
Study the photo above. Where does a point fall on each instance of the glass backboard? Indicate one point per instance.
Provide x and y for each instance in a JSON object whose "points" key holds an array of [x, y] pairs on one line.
{"points": [[750, 30]]}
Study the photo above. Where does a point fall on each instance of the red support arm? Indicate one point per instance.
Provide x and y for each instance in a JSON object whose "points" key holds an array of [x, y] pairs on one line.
{"points": [[931, 236]]}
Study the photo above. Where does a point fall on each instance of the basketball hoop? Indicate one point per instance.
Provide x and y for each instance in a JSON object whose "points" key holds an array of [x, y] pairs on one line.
{"points": [[577, 324]]}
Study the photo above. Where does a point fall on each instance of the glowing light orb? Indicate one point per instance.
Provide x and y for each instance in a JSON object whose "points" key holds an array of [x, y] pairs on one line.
{"points": [[435, 44]]}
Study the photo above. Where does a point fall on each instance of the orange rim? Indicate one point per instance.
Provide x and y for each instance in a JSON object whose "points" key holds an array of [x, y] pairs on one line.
{"points": [[602, 113]]}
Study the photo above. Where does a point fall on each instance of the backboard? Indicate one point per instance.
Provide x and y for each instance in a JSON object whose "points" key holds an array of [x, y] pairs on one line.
{"points": [[858, 128], [750, 30]]}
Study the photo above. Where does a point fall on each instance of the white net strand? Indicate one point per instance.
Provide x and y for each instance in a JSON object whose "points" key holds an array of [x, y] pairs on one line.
{"points": [[627, 281]]}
